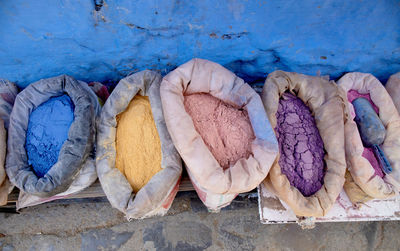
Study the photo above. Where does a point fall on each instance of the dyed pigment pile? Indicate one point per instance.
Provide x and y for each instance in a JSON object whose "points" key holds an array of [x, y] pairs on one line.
{"points": [[47, 131], [226, 130], [368, 153], [300, 145], [137, 143]]}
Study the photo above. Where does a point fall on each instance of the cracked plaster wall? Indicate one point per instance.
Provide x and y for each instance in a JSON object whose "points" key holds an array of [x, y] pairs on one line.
{"points": [[42, 38]]}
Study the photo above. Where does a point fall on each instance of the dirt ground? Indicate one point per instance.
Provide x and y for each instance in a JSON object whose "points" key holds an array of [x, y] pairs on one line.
{"points": [[94, 225]]}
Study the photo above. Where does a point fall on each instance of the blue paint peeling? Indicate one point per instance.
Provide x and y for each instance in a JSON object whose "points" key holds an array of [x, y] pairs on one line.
{"points": [[44, 38]]}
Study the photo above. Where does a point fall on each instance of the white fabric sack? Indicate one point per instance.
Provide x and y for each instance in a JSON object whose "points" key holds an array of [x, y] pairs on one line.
{"points": [[156, 197], [86, 176], [8, 92], [215, 186]]}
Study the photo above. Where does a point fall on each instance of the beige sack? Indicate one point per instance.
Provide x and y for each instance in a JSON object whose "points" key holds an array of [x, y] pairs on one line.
{"points": [[8, 92], [208, 177], [360, 168], [156, 197], [393, 88], [4, 182], [356, 195], [323, 99]]}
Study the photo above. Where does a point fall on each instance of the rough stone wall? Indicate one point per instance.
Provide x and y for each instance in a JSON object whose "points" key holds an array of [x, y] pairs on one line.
{"points": [[44, 38]]}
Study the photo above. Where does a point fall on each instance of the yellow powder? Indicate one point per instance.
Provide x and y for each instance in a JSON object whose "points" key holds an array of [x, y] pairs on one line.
{"points": [[137, 143]]}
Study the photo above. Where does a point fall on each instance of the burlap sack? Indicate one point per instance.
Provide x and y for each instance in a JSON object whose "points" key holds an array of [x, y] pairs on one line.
{"points": [[75, 151], [356, 195], [156, 197], [323, 99], [8, 92], [208, 177], [5, 185], [360, 169], [393, 88]]}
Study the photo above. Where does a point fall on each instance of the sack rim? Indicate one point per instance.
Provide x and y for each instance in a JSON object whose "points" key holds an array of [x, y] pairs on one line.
{"points": [[18, 170]]}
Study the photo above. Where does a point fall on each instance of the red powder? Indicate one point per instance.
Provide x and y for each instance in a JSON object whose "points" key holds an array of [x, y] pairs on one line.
{"points": [[368, 153], [225, 130]]}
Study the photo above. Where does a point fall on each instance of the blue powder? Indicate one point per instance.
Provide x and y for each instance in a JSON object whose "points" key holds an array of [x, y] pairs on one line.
{"points": [[47, 131]]}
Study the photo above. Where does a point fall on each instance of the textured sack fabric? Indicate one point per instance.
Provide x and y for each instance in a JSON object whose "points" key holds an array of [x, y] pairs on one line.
{"points": [[5, 185], [393, 88], [356, 195], [156, 197], [100, 90], [8, 92], [86, 176], [360, 168], [216, 187], [323, 99], [75, 150]]}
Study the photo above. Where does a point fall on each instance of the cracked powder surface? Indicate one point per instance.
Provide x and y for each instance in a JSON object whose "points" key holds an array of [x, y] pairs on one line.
{"points": [[226, 130], [300, 145]]}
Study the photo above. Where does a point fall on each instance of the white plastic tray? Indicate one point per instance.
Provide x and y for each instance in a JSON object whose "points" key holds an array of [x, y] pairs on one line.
{"points": [[274, 211]]}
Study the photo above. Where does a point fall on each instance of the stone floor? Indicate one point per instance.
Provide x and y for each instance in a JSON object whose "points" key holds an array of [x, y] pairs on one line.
{"points": [[74, 225]]}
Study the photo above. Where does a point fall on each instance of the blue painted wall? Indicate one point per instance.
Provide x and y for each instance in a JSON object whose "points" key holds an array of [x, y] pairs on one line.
{"points": [[42, 38]]}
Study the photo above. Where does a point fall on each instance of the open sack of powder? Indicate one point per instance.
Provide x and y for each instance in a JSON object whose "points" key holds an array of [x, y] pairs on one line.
{"points": [[51, 141], [8, 92], [367, 180], [306, 113], [138, 166], [219, 126]]}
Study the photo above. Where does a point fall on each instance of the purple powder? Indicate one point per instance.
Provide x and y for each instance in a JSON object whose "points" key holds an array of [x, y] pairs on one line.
{"points": [[300, 145]]}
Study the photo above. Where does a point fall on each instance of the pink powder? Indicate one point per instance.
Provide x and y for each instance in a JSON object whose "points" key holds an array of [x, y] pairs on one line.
{"points": [[368, 153], [225, 130], [353, 94]]}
